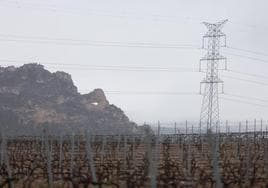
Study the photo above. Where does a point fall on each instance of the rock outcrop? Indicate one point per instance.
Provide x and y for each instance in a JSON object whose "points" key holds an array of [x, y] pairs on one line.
{"points": [[33, 99]]}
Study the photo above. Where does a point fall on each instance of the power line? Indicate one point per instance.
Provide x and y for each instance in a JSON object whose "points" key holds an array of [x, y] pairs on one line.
{"points": [[149, 93], [117, 14], [248, 51], [80, 42], [72, 66], [93, 41], [54, 8], [246, 80], [247, 57], [117, 92], [244, 102], [98, 45], [246, 97], [106, 67], [126, 68], [114, 14], [248, 74]]}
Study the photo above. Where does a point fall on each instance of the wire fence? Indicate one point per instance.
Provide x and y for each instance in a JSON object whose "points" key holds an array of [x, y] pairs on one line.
{"points": [[194, 127]]}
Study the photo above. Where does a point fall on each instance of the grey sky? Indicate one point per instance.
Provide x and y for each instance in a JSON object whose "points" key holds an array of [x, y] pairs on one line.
{"points": [[156, 21]]}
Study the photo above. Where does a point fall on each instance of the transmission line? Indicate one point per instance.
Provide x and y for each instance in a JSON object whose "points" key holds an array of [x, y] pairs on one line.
{"points": [[125, 69], [246, 97], [107, 13], [123, 14], [98, 43], [95, 41], [244, 102], [117, 92], [247, 57], [246, 80], [248, 51], [107, 67], [247, 74], [150, 93]]}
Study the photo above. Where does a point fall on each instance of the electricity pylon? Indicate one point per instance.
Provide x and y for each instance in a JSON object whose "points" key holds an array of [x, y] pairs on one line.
{"points": [[212, 41]]}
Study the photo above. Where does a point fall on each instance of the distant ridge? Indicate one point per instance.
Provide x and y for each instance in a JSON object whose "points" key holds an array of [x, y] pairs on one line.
{"points": [[32, 99]]}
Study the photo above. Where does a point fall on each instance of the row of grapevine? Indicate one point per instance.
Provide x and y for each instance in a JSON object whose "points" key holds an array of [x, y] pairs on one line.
{"points": [[175, 160]]}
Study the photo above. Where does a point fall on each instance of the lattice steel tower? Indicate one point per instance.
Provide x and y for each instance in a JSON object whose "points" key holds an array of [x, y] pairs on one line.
{"points": [[212, 41]]}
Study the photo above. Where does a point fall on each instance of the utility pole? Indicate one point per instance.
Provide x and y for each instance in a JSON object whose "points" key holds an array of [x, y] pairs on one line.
{"points": [[212, 41]]}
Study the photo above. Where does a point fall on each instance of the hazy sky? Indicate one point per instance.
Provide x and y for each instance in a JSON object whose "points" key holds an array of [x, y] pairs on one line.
{"points": [[143, 21]]}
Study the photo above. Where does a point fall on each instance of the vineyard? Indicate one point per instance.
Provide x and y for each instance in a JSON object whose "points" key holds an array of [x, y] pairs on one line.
{"points": [[175, 160]]}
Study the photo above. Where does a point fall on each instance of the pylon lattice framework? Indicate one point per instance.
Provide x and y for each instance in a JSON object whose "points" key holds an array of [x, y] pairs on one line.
{"points": [[209, 116]]}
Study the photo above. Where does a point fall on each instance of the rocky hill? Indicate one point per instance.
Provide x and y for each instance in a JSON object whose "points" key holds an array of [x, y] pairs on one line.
{"points": [[32, 99]]}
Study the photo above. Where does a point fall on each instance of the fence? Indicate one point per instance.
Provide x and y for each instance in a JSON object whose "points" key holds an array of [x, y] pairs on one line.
{"points": [[190, 127]]}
